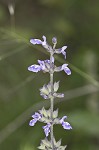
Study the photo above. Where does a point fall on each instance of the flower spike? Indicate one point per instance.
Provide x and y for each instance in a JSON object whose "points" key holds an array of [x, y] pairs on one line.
{"points": [[49, 91]]}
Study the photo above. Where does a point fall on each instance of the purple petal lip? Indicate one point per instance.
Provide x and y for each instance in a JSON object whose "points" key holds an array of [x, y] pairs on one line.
{"points": [[32, 122], [38, 41], [66, 125], [66, 69], [35, 41], [36, 116], [63, 48], [34, 68]]}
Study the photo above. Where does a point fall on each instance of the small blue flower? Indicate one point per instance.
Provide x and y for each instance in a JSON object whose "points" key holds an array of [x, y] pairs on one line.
{"points": [[66, 69], [36, 117], [37, 41], [61, 50], [32, 122], [43, 65], [65, 125], [63, 67], [34, 68], [43, 43], [47, 129]]}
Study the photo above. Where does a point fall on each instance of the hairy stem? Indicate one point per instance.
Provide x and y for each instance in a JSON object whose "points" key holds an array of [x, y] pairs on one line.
{"points": [[52, 102]]}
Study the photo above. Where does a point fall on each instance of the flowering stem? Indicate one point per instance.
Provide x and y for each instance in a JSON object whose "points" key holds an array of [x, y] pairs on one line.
{"points": [[50, 92], [52, 102]]}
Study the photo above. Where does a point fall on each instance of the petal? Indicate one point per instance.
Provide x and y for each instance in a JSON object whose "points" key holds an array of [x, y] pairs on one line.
{"points": [[44, 42], [42, 64], [66, 125], [59, 95], [47, 129], [47, 61], [35, 41], [64, 53], [34, 68], [52, 59], [32, 122], [63, 48], [63, 118], [64, 66], [36, 116], [44, 96], [60, 50], [66, 69]]}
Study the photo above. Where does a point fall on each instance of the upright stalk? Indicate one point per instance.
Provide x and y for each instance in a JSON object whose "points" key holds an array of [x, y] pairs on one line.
{"points": [[52, 102], [49, 91]]}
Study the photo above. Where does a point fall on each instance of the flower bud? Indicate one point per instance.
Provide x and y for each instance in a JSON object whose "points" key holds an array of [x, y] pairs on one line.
{"points": [[54, 40]]}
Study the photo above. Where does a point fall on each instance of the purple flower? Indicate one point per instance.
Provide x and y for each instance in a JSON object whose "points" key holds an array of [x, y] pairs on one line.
{"points": [[43, 65], [34, 68], [63, 67], [47, 129], [61, 50], [37, 41], [35, 117], [66, 69], [65, 125], [43, 43]]}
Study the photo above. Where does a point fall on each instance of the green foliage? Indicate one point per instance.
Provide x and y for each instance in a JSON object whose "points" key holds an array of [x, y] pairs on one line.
{"points": [[75, 24]]}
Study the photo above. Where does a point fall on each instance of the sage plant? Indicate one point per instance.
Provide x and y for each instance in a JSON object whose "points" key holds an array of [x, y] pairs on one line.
{"points": [[49, 92]]}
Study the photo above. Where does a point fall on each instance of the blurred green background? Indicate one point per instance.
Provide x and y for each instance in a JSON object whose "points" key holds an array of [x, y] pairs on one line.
{"points": [[75, 23]]}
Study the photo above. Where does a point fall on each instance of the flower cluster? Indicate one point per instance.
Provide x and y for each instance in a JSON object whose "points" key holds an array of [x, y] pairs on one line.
{"points": [[45, 91], [45, 117], [49, 92]]}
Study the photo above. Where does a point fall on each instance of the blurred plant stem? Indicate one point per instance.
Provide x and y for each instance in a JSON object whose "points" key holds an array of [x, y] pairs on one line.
{"points": [[90, 64], [11, 8]]}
